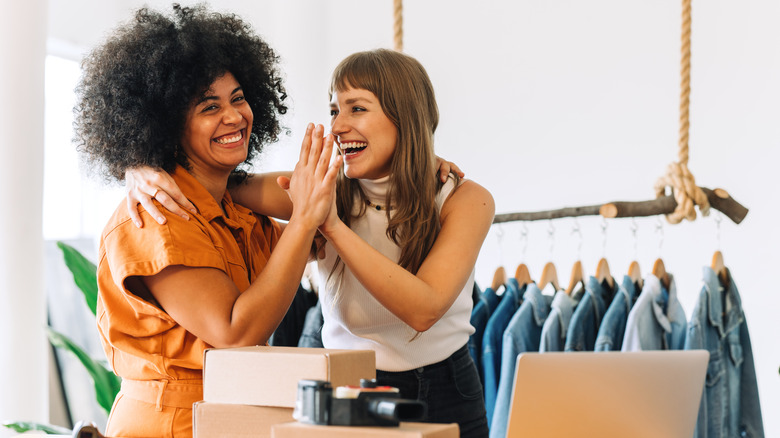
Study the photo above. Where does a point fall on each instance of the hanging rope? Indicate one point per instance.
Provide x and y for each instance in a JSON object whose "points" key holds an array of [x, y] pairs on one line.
{"points": [[398, 25], [678, 176]]}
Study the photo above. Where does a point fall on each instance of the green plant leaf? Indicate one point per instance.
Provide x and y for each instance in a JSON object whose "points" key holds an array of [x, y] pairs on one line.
{"points": [[84, 272], [26, 426], [107, 383]]}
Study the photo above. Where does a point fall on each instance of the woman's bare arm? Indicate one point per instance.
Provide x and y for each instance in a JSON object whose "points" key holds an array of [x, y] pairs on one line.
{"points": [[207, 303], [421, 300]]}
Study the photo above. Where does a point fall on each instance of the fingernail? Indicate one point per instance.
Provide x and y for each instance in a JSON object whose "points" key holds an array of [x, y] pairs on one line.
{"points": [[193, 211], [138, 224], [185, 216], [309, 127], [160, 220]]}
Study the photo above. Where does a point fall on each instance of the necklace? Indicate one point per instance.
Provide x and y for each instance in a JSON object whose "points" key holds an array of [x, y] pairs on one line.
{"points": [[377, 206]]}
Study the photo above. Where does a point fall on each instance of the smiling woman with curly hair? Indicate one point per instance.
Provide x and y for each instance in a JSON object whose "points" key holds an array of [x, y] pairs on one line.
{"points": [[197, 94], [137, 87]]}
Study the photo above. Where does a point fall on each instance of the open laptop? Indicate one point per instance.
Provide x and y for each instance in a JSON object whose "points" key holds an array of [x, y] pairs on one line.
{"points": [[607, 394]]}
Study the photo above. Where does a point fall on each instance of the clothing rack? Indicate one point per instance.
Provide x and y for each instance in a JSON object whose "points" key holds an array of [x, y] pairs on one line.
{"points": [[719, 199]]}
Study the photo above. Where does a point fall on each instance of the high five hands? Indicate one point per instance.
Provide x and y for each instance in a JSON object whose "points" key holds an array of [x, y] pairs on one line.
{"points": [[312, 186]]}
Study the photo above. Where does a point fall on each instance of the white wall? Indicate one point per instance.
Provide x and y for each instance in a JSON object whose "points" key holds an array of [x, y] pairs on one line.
{"points": [[564, 103], [23, 372]]}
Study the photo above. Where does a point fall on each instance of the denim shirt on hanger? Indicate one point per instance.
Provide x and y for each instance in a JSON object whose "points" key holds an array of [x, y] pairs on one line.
{"points": [[312, 328], [730, 406], [657, 320], [522, 334], [491, 341], [584, 325], [613, 326], [557, 323], [488, 301]]}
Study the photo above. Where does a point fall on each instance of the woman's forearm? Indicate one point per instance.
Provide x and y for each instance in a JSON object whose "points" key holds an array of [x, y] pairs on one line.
{"points": [[421, 299], [261, 194]]}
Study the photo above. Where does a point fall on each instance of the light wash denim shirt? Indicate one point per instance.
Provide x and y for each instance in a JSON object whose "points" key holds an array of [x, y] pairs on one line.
{"points": [[657, 320], [522, 334], [613, 326], [730, 405], [557, 323], [585, 322], [492, 339], [488, 300]]}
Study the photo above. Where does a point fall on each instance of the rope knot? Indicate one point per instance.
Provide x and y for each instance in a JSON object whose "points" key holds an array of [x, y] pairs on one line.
{"points": [[685, 192]]}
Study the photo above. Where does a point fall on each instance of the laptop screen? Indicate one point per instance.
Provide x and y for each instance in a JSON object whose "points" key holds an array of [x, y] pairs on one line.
{"points": [[607, 394]]}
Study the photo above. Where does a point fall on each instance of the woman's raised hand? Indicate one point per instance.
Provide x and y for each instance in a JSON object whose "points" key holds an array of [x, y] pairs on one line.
{"points": [[312, 187], [146, 183]]}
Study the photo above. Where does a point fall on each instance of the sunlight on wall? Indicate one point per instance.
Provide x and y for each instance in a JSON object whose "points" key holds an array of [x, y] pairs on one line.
{"points": [[76, 204]]}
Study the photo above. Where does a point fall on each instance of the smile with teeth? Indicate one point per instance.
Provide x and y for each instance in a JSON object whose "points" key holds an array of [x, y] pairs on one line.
{"points": [[232, 138], [352, 147]]}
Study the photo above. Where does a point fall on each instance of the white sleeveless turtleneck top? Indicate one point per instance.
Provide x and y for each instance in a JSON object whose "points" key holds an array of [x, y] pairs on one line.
{"points": [[355, 320]]}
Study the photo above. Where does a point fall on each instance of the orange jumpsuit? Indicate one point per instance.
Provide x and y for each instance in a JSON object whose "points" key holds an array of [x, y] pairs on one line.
{"points": [[161, 363]]}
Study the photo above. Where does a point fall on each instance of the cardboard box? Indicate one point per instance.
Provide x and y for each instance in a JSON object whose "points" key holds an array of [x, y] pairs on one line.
{"points": [[405, 430], [217, 420], [268, 376]]}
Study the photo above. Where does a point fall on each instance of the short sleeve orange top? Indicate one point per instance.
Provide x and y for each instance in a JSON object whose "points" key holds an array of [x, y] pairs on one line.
{"points": [[141, 341]]}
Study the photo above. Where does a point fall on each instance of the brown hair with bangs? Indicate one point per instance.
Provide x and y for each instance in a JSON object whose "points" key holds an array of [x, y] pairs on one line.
{"points": [[406, 96]]}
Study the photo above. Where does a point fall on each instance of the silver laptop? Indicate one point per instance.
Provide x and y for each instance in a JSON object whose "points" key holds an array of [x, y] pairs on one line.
{"points": [[607, 394]]}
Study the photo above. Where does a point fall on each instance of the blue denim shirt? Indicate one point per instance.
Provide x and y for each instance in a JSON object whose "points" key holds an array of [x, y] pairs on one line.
{"points": [[492, 339], [312, 328], [657, 320], [492, 298], [730, 405], [488, 300], [557, 323], [584, 325], [613, 326], [522, 334]]}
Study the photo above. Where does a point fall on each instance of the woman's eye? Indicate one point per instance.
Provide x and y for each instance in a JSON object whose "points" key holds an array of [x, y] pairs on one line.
{"points": [[209, 108], [357, 109], [238, 99], [334, 113]]}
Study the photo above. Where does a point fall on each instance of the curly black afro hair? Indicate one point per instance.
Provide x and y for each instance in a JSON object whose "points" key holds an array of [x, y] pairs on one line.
{"points": [[137, 87]]}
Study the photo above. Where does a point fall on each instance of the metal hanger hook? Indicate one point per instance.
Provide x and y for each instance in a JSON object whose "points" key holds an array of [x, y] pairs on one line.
{"points": [[500, 238], [718, 220], [576, 230], [524, 239], [634, 229], [659, 229], [551, 236]]}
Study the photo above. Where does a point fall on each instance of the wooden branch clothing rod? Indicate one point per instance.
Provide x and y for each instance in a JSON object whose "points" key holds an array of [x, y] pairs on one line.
{"points": [[719, 200]]}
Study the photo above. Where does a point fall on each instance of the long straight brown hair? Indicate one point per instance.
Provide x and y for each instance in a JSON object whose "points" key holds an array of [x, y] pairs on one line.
{"points": [[406, 96]]}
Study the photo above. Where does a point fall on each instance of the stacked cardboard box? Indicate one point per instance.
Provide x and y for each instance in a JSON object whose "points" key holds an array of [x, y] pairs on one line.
{"points": [[405, 430], [248, 390]]}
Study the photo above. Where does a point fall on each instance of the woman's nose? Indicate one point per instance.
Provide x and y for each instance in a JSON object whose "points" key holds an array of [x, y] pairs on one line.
{"points": [[232, 116], [337, 126]]}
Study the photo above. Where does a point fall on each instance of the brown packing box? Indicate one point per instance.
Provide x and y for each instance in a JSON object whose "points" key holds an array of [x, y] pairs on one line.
{"points": [[405, 430], [268, 376], [217, 420]]}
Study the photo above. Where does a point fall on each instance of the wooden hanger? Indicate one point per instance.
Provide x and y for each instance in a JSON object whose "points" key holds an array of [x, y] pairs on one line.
{"points": [[576, 277], [522, 275], [635, 274], [549, 276], [720, 269], [602, 272], [499, 278], [659, 270]]}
